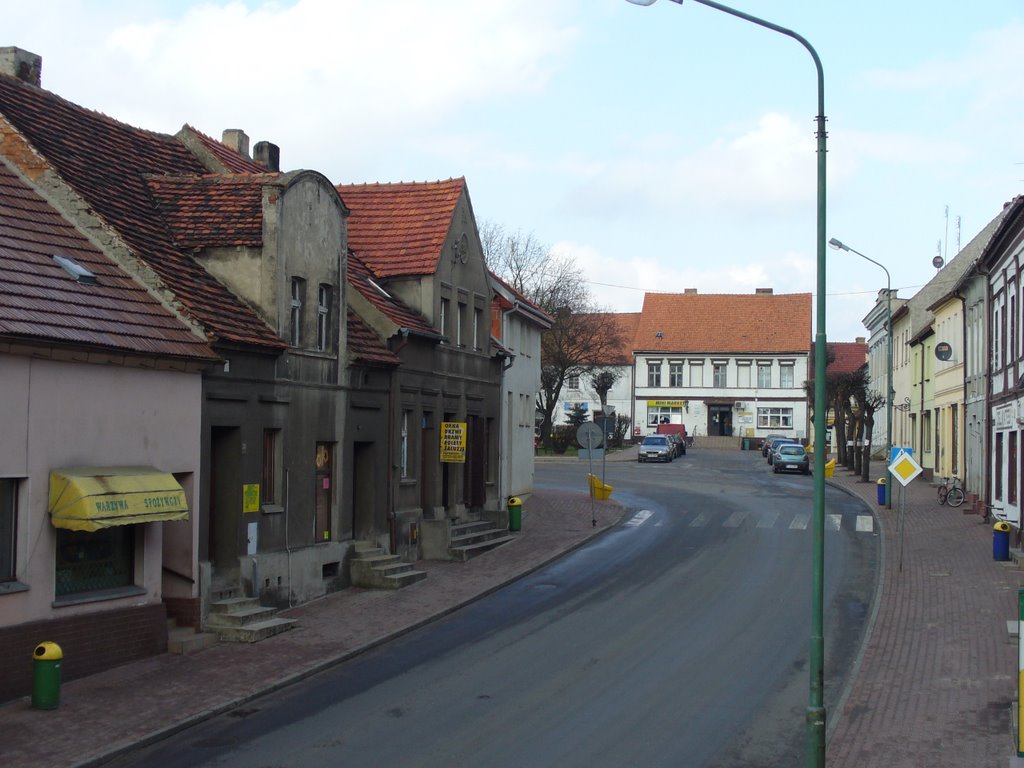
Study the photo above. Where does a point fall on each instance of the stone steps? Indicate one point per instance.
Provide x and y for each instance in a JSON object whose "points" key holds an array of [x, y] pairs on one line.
{"points": [[244, 620], [467, 540], [372, 568]]}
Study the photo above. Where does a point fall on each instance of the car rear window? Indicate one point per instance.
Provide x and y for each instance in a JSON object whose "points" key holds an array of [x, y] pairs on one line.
{"points": [[795, 450], [655, 441]]}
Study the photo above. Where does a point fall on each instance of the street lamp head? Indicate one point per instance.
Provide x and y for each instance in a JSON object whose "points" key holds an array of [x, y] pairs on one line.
{"points": [[838, 245], [650, 2]]}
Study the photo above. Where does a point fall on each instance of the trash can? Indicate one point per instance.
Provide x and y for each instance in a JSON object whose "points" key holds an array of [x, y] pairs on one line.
{"points": [[746, 443], [1001, 541], [881, 491], [46, 661], [515, 513]]}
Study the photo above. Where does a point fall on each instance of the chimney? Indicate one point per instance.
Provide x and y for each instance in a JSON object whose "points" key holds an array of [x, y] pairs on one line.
{"points": [[22, 65], [690, 291], [766, 291], [236, 139], [861, 340], [268, 155]]}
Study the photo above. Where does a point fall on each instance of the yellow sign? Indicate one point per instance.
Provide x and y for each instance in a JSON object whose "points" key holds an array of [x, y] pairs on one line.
{"points": [[453, 442], [904, 468], [666, 403], [251, 498]]}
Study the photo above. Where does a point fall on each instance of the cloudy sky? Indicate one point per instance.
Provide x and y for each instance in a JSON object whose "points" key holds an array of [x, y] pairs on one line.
{"points": [[663, 148]]}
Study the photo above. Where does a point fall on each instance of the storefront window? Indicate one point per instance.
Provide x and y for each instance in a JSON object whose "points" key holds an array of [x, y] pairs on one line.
{"points": [[92, 562], [774, 418]]}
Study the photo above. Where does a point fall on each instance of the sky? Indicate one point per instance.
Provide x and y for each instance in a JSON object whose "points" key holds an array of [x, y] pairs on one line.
{"points": [[661, 148]]}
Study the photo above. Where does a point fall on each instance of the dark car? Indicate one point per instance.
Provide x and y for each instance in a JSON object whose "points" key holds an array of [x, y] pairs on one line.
{"points": [[791, 457], [774, 444], [765, 441], [656, 448]]}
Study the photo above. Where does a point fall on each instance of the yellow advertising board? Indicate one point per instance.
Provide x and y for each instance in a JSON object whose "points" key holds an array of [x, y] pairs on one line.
{"points": [[666, 403], [453, 442], [250, 498]]}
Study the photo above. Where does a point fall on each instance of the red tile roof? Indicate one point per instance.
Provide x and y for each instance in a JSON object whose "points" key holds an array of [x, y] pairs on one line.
{"points": [[212, 211], [41, 302], [365, 346], [369, 286], [106, 162], [400, 229], [848, 356], [542, 317], [627, 323], [736, 323], [233, 162]]}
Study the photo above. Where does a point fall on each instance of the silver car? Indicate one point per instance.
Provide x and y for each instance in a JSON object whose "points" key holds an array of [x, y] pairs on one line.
{"points": [[656, 448]]}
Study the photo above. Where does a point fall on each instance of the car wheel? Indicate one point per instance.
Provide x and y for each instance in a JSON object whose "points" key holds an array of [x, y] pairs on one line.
{"points": [[775, 470], [683, 453]]}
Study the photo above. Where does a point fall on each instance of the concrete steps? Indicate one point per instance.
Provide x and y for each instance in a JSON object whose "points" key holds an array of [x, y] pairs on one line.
{"points": [[186, 640], [474, 538], [372, 568], [244, 620]]}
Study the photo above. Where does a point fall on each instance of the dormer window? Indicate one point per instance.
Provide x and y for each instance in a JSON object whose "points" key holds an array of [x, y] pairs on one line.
{"points": [[298, 297]]}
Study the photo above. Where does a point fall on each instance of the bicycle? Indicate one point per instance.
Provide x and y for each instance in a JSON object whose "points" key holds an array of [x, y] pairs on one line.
{"points": [[953, 495]]}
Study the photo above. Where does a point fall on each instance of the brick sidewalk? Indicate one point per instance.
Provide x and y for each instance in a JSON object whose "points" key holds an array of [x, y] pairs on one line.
{"points": [[139, 702], [938, 674]]}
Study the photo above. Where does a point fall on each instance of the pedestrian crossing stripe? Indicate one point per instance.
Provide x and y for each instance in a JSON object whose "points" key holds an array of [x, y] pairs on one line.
{"points": [[801, 521]]}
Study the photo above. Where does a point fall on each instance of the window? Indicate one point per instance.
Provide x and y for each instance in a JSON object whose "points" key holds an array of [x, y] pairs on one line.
{"points": [[719, 375], [298, 297], [8, 527], [271, 461], [764, 376], [94, 562], [478, 324], [775, 418], [675, 374], [786, 376], [444, 319], [696, 374], [404, 459], [654, 373], [999, 466], [1011, 469], [460, 323], [664, 414], [743, 376], [926, 431], [323, 318], [572, 381]]}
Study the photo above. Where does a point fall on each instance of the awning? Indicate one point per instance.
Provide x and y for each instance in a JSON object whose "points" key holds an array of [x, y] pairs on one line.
{"points": [[91, 498]]}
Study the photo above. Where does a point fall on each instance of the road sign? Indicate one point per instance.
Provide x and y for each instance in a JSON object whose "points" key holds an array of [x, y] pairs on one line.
{"points": [[589, 435], [904, 468]]}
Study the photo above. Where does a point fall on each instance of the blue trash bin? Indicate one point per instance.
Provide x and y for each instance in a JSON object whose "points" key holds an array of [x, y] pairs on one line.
{"points": [[881, 491], [1001, 541]]}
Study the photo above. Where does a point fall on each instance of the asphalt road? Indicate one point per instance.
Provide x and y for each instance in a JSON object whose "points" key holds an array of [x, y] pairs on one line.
{"points": [[679, 638]]}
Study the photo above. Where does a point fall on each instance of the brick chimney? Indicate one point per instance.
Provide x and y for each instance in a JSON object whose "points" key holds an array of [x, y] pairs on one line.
{"points": [[767, 291], [689, 291], [236, 139], [22, 64], [861, 340], [268, 155]]}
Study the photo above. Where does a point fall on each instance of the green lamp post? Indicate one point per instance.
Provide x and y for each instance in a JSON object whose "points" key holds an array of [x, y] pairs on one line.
{"points": [[816, 702]]}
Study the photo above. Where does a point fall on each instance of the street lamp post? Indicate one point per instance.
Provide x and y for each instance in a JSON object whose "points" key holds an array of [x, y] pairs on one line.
{"points": [[838, 245], [816, 701]]}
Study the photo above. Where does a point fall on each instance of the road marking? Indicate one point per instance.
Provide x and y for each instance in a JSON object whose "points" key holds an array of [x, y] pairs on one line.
{"points": [[699, 521], [735, 519], [638, 519], [865, 524], [800, 522], [833, 522], [768, 520]]}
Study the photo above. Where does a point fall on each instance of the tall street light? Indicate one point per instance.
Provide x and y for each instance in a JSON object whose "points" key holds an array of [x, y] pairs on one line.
{"points": [[840, 246], [816, 702]]}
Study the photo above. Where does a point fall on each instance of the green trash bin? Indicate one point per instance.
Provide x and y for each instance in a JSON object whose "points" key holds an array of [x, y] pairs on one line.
{"points": [[515, 513], [46, 661], [746, 444]]}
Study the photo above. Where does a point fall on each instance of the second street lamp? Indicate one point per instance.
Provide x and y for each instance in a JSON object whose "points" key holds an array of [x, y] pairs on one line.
{"points": [[839, 245], [816, 700]]}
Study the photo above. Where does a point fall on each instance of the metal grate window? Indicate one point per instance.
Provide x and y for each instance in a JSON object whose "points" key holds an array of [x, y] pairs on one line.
{"points": [[91, 562]]}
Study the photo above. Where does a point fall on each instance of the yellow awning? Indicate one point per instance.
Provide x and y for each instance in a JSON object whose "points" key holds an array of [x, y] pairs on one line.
{"points": [[91, 498]]}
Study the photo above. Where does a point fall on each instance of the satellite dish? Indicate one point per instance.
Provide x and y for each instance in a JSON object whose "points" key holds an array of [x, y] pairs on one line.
{"points": [[937, 262]]}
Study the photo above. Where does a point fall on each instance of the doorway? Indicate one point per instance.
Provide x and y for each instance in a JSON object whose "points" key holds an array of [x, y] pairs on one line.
{"points": [[223, 529], [324, 493], [363, 500], [720, 420]]}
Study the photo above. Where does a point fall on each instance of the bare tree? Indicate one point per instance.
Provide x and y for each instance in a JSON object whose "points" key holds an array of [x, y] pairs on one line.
{"points": [[601, 381]]}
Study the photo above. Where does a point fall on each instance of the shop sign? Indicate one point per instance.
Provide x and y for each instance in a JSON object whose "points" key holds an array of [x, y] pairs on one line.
{"points": [[1004, 416], [666, 403], [453, 442]]}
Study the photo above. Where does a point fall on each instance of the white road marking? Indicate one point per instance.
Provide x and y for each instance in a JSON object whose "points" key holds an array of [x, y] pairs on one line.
{"points": [[699, 521], [865, 524], [833, 522], [800, 522], [735, 519], [638, 519], [768, 520]]}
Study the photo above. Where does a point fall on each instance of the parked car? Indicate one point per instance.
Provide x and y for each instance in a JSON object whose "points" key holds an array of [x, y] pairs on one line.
{"points": [[765, 441], [791, 457], [678, 446], [774, 444], [655, 448]]}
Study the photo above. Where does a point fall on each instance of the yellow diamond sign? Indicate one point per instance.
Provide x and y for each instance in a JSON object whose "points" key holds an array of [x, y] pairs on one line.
{"points": [[904, 468]]}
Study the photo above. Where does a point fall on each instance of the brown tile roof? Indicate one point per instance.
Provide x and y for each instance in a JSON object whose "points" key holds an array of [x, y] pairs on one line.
{"points": [[106, 162], [735, 323], [233, 162], [847, 356], [371, 288], [212, 211], [399, 229], [41, 302], [365, 346], [541, 316], [627, 323]]}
